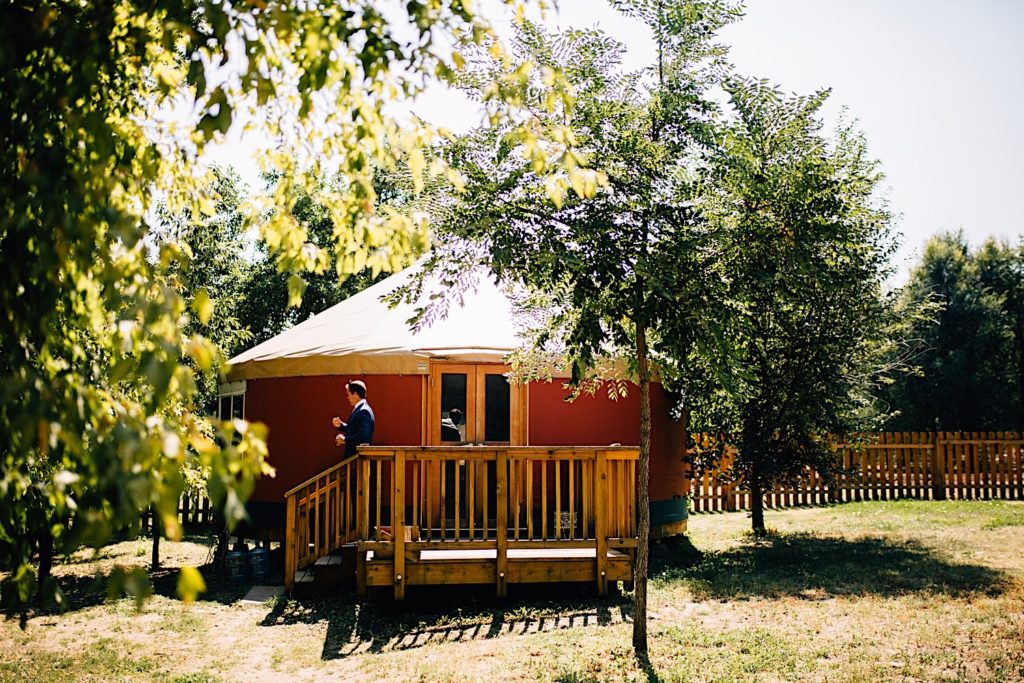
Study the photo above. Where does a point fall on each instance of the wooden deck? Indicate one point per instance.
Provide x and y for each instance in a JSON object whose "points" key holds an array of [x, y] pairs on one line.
{"points": [[470, 515]]}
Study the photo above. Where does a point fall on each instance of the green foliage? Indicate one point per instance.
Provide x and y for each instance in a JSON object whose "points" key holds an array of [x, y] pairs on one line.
{"points": [[805, 252], [106, 108], [263, 305], [971, 367], [209, 281]]}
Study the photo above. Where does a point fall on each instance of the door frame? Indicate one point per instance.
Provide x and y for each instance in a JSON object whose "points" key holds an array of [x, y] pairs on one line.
{"points": [[476, 374]]}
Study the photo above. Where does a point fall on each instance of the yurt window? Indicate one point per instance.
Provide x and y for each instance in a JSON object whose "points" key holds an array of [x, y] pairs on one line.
{"points": [[231, 400]]}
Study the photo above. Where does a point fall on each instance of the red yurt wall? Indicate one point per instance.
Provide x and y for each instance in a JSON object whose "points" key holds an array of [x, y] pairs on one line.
{"points": [[298, 411], [598, 421]]}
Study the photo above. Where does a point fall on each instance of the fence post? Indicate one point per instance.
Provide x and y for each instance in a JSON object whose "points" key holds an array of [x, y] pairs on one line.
{"points": [[938, 467]]}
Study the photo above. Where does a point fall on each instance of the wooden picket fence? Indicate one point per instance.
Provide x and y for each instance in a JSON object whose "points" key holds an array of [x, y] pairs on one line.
{"points": [[887, 466], [194, 512]]}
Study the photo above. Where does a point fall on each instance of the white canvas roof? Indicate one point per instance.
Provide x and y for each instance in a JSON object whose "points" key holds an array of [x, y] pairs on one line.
{"points": [[362, 335]]}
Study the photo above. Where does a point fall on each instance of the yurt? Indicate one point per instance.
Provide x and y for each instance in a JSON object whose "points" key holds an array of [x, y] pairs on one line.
{"points": [[295, 384]]}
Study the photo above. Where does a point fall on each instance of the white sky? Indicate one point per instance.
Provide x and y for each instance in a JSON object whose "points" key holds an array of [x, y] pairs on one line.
{"points": [[936, 85]]}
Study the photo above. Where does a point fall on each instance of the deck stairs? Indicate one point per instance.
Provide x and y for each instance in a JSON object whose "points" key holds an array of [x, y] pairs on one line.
{"points": [[332, 572]]}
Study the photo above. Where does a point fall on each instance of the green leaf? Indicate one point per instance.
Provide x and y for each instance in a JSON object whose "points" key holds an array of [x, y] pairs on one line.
{"points": [[296, 288], [203, 306], [190, 584]]}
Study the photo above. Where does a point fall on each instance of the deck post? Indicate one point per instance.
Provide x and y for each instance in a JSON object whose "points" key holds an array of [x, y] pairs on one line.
{"points": [[501, 533], [291, 531], [362, 475], [600, 527], [398, 520]]}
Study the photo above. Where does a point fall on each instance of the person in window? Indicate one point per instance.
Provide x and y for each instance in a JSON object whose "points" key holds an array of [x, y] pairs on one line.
{"points": [[359, 428], [450, 426]]}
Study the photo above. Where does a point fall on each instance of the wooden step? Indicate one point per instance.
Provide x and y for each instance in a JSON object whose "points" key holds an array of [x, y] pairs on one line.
{"points": [[331, 572]]}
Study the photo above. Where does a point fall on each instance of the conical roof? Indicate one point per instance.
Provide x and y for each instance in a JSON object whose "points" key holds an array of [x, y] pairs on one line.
{"points": [[362, 335]]}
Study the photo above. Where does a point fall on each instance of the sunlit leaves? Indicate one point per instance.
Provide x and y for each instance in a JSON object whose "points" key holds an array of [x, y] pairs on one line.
{"points": [[203, 306], [105, 354], [190, 584]]}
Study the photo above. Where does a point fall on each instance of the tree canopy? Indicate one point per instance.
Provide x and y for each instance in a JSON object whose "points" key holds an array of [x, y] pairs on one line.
{"points": [[806, 244], [969, 370], [107, 108]]}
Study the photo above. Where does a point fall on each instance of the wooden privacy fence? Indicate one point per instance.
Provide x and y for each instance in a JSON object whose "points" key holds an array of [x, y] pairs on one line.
{"points": [[887, 466]]}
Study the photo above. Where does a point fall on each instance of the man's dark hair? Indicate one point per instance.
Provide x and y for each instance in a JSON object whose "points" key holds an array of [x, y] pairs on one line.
{"points": [[356, 386], [455, 415]]}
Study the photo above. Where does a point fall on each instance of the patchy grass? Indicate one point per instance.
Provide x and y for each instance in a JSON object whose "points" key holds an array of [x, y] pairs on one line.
{"points": [[887, 591]]}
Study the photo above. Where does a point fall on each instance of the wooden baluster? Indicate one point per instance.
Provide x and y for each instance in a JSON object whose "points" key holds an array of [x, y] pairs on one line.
{"points": [[572, 499], [558, 499], [470, 494], [417, 496], [458, 490], [529, 500], [443, 500], [585, 485], [378, 483], [544, 499]]}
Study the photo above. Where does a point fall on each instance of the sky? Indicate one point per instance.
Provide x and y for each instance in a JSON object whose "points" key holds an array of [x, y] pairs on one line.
{"points": [[937, 86]]}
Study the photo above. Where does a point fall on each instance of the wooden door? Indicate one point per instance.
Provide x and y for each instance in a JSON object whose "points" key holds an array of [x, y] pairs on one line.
{"points": [[488, 409]]}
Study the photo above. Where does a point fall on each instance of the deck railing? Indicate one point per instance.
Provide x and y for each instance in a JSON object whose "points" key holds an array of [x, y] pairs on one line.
{"points": [[320, 517], [413, 499]]}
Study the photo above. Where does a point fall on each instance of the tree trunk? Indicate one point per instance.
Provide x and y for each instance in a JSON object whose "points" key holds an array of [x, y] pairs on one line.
{"points": [[154, 564], [45, 561], [756, 499], [643, 499]]}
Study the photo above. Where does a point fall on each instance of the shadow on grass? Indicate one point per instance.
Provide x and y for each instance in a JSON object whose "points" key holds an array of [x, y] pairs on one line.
{"points": [[817, 567], [83, 591], [435, 614]]}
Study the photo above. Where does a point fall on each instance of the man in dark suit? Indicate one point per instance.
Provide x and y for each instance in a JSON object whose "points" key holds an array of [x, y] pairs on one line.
{"points": [[359, 428]]}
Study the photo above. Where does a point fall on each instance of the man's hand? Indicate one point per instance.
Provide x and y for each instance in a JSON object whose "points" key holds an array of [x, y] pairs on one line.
{"points": [[339, 440], [336, 421]]}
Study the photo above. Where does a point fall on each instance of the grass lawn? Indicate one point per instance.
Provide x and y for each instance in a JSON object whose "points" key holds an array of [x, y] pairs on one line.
{"points": [[900, 591]]}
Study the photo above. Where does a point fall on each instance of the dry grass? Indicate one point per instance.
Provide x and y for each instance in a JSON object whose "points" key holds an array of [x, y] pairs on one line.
{"points": [[901, 591]]}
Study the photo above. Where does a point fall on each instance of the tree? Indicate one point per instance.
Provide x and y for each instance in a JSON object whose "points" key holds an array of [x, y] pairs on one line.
{"points": [[95, 381], [263, 307], [621, 260], [1001, 271], [970, 363], [806, 254]]}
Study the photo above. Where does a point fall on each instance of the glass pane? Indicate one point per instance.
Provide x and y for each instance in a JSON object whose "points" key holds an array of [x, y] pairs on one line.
{"points": [[237, 408], [453, 407], [497, 408], [225, 408]]}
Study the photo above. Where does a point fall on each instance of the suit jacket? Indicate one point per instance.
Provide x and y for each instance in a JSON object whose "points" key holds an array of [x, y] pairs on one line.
{"points": [[359, 429]]}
